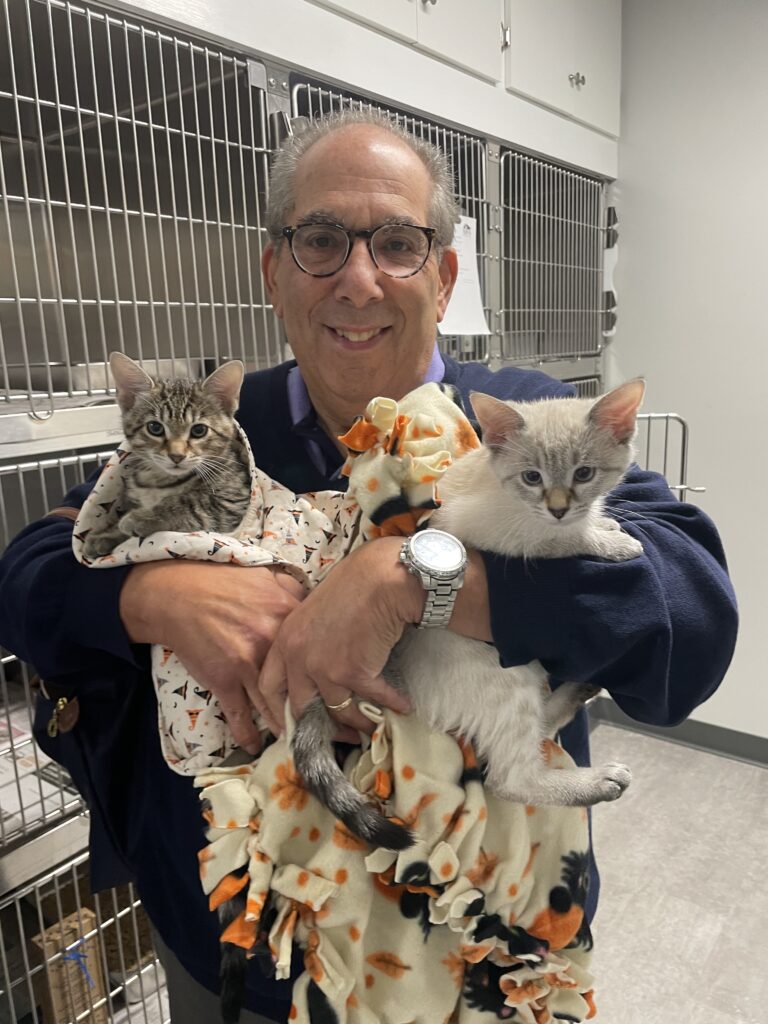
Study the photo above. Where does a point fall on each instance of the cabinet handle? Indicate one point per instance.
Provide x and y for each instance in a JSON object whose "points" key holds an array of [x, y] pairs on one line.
{"points": [[433, 2], [577, 79]]}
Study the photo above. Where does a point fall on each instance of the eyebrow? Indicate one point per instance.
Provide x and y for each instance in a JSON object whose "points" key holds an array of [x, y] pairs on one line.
{"points": [[328, 217]]}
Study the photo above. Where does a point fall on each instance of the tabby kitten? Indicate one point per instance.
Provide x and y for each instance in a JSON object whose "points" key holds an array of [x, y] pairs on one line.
{"points": [[534, 489], [188, 468]]}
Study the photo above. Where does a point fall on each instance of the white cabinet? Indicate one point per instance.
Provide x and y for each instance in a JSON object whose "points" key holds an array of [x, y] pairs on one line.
{"points": [[467, 34], [464, 34], [597, 47], [397, 17], [567, 54]]}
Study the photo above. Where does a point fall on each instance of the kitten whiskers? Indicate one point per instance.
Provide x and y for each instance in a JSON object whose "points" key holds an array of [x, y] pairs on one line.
{"points": [[627, 515]]}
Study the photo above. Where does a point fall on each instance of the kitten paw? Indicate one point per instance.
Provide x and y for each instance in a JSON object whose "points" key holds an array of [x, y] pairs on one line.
{"points": [[606, 523], [136, 524], [620, 547], [615, 779], [102, 544]]}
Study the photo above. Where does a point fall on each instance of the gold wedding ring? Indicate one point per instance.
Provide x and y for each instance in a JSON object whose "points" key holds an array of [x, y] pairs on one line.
{"points": [[339, 707]]}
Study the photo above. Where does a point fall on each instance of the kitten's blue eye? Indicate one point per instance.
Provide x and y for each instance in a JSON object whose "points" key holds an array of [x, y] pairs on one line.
{"points": [[583, 474], [155, 428], [198, 430], [532, 477]]}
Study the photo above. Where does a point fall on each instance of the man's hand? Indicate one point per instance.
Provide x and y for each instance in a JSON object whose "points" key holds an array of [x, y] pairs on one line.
{"points": [[220, 620], [338, 640]]}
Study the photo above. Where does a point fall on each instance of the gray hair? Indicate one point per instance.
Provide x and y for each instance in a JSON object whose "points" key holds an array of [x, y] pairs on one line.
{"points": [[443, 209]]}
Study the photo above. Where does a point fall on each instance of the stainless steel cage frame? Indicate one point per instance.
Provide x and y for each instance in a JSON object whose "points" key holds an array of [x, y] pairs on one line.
{"points": [[553, 236], [34, 791], [132, 175], [586, 387], [662, 445], [68, 955]]}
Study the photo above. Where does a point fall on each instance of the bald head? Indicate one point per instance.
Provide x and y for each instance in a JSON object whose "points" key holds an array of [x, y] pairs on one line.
{"points": [[375, 129]]}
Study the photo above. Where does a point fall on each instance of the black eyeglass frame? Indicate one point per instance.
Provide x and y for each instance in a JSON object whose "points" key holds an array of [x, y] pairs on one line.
{"points": [[367, 234]]}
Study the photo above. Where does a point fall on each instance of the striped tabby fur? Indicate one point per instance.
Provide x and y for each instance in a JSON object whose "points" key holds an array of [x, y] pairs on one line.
{"points": [[188, 469]]}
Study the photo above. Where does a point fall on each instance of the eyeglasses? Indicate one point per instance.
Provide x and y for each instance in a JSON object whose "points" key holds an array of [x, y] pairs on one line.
{"points": [[398, 250]]}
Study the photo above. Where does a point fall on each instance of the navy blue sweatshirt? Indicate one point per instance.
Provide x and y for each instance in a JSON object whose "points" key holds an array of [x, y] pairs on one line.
{"points": [[657, 632]]}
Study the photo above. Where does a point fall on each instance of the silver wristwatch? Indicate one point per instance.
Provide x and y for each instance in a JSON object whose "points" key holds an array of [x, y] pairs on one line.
{"points": [[439, 560]]}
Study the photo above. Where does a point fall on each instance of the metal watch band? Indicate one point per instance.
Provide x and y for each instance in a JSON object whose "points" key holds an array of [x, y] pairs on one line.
{"points": [[439, 605], [440, 582]]}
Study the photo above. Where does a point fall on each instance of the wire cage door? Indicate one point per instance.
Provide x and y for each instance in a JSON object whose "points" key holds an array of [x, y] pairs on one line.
{"points": [[34, 791], [553, 240], [68, 956], [133, 171]]}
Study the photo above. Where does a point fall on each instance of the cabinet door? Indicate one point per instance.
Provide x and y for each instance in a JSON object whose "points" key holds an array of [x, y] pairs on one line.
{"points": [[597, 57], [567, 55], [396, 17], [540, 56], [465, 34]]}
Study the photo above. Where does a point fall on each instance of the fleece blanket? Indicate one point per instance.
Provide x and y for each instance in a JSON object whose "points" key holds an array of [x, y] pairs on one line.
{"points": [[484, 914]]}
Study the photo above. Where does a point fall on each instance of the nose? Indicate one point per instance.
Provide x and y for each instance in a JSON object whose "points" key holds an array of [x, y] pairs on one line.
{"points": [[176, 459], [558, 501], [359, 280]]}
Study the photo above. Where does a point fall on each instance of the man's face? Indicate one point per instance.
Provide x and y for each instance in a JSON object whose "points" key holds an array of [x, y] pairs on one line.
{"points": [[359, 333]]}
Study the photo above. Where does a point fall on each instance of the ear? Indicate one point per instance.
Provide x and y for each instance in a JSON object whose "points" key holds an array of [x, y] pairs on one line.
{"points": [[498, 421], [130, 379], [617, 411], [448, 270], [224, 384], [269, 263]]}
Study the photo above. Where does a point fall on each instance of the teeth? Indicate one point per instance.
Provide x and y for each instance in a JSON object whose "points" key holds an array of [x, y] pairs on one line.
{"points": [[357, 335]]}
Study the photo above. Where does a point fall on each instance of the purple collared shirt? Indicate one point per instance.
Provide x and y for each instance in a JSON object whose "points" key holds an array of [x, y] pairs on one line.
{"points": [[320, 448]]}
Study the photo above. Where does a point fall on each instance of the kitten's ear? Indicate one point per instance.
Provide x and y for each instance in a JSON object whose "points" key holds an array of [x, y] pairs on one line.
{"points": [[130, 379], [224, 384], [617, 411], [498, 421]]}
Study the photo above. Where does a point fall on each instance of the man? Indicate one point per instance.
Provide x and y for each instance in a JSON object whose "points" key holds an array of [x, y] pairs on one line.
{"points": [[657, 631]]}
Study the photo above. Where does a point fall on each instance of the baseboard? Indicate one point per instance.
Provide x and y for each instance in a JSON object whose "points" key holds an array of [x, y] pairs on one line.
{"points": [[741, 746]]}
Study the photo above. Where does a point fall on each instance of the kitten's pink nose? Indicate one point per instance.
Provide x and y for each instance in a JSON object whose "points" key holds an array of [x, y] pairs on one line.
{"points": [[558, 513], [176, 458]]}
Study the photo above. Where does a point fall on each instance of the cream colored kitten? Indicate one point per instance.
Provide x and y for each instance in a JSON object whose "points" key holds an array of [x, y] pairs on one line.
{"points": [[535, 489]]}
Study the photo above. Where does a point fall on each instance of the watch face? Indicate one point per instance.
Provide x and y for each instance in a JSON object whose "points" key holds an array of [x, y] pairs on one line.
{"points": [[438, 551]]}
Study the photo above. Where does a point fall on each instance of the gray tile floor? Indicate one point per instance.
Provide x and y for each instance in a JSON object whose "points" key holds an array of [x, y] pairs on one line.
{"points": [[681, 934]]}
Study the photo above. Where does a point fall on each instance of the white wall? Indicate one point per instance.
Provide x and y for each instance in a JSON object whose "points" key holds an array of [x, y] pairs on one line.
{"points": [[693, 279]]}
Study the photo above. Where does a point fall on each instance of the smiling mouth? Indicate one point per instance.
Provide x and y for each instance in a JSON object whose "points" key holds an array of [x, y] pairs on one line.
{"points": [[357, 336]]}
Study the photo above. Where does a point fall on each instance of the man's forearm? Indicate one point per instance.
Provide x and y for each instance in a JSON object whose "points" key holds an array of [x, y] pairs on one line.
{"points": [[155, 590], [471, 613]]}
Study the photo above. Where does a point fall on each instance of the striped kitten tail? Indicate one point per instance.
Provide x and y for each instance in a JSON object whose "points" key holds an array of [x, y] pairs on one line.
{"points": [[233, 962], [315, 761]]}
